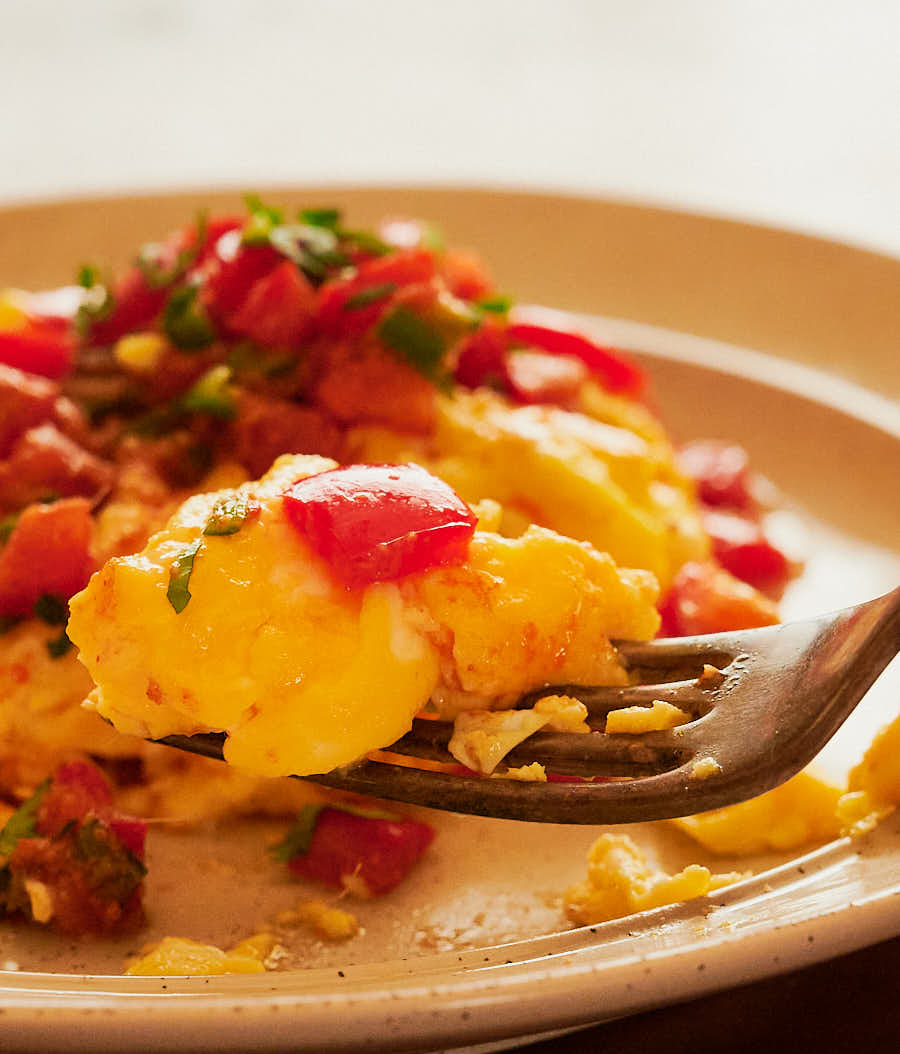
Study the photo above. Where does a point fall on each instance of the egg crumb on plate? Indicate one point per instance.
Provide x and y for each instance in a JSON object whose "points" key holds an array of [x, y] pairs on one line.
{"points": [[180, 957], [621, 881]]}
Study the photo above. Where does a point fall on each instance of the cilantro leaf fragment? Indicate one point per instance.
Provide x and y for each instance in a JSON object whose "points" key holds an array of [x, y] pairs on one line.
{"points": [[256, 207], [58, 646], [313, 249], [211, 394], [23, 822], [51, 609], [185, 321], [320, 217], [178, 593], [228, 515], [97, 303], [370, 296], [365, 240], [150, 258], [415, 341], [495, 305]]}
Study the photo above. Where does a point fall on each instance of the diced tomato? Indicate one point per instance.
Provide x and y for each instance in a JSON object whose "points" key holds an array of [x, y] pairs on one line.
{"points": [[136, 304], [377, 852], [615, 371], [44, 461], [374, 523], [339, 316], [536, 377], [721, 472], [25, 400], [704, 598], [482, 361], [464, 273], [47, 552], [278, 311], [230, 272], [265, 427], [43, 348], [742, 547]]}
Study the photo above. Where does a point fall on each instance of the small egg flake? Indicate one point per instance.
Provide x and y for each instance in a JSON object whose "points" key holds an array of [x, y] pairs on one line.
{"points": [[565, 713], [703, 768], [533, 773], [658, 717], [330, 923], [710, 677]]}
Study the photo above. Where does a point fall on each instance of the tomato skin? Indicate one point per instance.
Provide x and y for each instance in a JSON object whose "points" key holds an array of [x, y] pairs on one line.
{"points": [[721, 473], [231, 270], [279, 309], [614, 370], [375, 523], [47, 552], [705, 598], [741, 547], [406, 267], [381, 852], [44, 348], [482, 359]]}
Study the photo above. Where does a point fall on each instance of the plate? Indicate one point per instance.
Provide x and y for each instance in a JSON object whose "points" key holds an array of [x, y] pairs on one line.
{"points": [[451, 959]]}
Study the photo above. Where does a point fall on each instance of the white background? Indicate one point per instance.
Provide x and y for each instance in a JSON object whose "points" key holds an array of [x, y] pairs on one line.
{"points": [[787, 112]]}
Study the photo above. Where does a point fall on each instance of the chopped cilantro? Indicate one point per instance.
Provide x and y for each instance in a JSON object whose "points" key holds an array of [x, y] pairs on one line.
{"points": [[495, 305], [98, 302], [58, 646], [7, 526], [299, 836], [185, 321], [370, 296], [313, 249], [113, 872], [211, 394], [320, 217], [228, 515], [88, 276], [256, 207], [23, 822], [178, 593], [51, 609], [365, 240], [415, 341]]}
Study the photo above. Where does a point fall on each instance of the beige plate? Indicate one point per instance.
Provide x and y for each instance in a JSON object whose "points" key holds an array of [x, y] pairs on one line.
{"points": [[451, 958]]}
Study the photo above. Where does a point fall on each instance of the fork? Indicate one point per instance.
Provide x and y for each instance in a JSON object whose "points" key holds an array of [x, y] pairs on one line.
{"points": [[762, 703]]}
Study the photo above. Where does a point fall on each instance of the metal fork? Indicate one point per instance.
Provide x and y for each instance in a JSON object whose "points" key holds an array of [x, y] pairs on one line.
{"points": [[763, 702]]}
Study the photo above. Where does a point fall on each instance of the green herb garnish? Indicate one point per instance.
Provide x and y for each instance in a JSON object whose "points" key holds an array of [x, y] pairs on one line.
{"points": [[211, 394], [58, 646], [113, 872], [178, 593], [23, 822], [51, 609], [256, 207], [149, 259], [313, 249], [98, 302], [228, 515], [495, 305], [365, 240], [370, 296], [320, 217], [415, 341], [185, 321], [7, 526]]}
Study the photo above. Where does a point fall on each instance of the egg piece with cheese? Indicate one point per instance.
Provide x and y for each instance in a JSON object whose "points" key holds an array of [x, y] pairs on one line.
{"points": [[304, 674]]}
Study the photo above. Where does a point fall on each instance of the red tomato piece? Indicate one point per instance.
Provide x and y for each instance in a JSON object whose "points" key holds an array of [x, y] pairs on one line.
{"points": [[230, 272], [721, 472], [464, 273], [615, 371], [338, 316], [47, 552], [136, 305], [379, 852], [537, 377], [44, 348], [374, 523], [705, 598], [482, 361], [278, 311], [741, 547]]}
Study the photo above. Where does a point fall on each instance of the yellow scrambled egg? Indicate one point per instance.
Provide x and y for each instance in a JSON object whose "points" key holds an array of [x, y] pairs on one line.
{"points": [[305, 675]]}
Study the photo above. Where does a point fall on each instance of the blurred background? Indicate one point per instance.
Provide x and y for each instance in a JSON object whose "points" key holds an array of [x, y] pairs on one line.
{"points": [[783, 111]]}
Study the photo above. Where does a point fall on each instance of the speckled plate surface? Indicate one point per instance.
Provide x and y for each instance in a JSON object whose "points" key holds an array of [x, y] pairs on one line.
{"points": [[472, 949]]}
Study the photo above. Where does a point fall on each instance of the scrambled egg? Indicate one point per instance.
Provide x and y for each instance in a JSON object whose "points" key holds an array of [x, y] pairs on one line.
{"points": [[180, 957], [611, 482], [304, 675], [873, 789], [621, 881]]}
